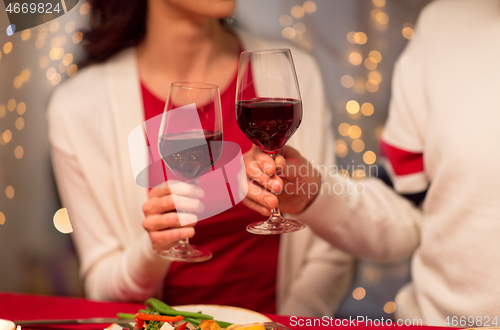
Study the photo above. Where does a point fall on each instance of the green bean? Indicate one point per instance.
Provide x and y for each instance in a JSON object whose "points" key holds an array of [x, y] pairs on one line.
{"points": [[125, 316], [223, 324], [194, 322], [167, 310]]}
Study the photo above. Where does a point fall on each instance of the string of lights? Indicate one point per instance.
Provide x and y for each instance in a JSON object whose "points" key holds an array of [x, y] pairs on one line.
{"points": [[58, 64]]}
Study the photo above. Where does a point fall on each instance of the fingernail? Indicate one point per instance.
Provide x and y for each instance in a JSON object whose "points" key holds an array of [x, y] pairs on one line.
{"points": [[200, 193], [275, 186], [268, 168]]}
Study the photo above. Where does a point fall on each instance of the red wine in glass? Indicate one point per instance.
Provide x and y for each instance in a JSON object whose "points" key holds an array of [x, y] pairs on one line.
{"points": [[269, 111], [191, 154], [190, 143], [269, 122]]}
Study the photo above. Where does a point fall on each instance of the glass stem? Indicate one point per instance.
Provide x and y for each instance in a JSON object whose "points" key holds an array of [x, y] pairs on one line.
{"points": [[275, 213], [184, 245]]}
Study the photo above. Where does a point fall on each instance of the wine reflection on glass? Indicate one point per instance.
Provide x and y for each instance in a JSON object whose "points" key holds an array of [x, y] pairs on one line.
{"points": [[190, 143], [271, 117]]}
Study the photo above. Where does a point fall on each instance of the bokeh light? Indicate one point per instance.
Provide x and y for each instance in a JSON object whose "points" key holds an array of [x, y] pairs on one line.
{"points": [[39, 42], [408, 31], [370, 64], [341, 149], [70, 27], [7, 136], [382, 18], [379, 3], [7, 47], [2, 218], [288, 33], [372, 86], [309, 7], [72, 70], [343, 172], [297, 11], [56, 53], [62, 222], [369, 157], [359, 293], [285, 20], [357, 145], [358, 174], [350, 37], [11, 105], [375, 56], [62, 68], [26, 34], [10, 192], [367, 109], [19, 123], [352, 106], [21, 108], [360, 38], [344, 129], [77, 37], [50, 73], [390, 307], [355, 132], [54, 27], [84, 8], [19, 152], [56, 79], [25, 75], [67, 59], [3, 110], [347, 81], [300, 27], [355, 58], [375, 75], [18, 82]]}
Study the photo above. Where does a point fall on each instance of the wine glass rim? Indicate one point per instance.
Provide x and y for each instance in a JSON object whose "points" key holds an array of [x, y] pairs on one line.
{"points": [[194, 85], [267, 51]]}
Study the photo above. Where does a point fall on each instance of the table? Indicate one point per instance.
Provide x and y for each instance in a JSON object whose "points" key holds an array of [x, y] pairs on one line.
{"points": [[15, 306]]}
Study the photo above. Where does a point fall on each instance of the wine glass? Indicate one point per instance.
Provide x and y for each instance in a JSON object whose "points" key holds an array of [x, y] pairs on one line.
{"points": [[190, 142], [269, 111]]}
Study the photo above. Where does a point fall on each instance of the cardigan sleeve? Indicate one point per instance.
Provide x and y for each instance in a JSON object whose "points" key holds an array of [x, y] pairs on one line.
{"points": [[325, 273], [367, 218], [111, 269]]}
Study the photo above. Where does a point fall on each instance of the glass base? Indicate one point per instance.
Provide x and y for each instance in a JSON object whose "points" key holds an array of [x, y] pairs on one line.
{"points": [[275, 226], [186, 253]]}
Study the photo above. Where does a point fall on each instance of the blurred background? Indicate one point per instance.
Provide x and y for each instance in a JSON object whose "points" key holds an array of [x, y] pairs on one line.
{"points": [[356, 43]]}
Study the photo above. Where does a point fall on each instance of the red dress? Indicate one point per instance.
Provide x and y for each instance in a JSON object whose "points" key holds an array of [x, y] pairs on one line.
{"points": [[243, 269]]}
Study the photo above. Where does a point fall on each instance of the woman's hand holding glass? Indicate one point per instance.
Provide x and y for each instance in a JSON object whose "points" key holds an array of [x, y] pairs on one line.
{"points": [[294, 180], [161, 218]]}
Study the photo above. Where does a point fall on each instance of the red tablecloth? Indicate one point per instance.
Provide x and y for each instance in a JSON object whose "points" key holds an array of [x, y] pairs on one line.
{"points": [[14, 306]]}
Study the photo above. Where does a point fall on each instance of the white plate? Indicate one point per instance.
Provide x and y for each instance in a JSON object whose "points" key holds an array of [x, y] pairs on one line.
{"points": [[226, 313]]}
